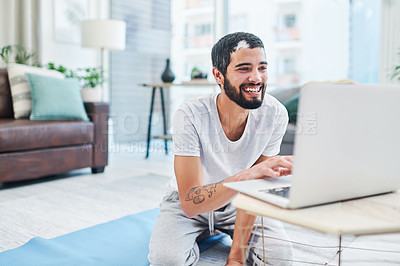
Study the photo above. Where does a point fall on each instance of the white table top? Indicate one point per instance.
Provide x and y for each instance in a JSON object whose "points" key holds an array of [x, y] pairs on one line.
{"points": [[371, 215]]}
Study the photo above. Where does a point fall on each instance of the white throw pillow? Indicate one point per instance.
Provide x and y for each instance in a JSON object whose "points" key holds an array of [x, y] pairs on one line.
{"points": [[20, 89]]}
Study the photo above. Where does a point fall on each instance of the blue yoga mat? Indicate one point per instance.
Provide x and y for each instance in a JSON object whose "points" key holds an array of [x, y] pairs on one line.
{"points": [[123, 241]]}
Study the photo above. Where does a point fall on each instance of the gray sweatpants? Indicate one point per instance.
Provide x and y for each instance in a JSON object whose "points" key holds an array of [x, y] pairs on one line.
{"points": [[173, 241]]}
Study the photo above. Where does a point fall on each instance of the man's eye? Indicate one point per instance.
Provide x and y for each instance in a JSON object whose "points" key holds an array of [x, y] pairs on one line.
{"points": [[263, 68], [243, 69]]}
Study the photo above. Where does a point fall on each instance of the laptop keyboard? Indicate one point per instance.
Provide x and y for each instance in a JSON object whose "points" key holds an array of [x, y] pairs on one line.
{"points": [[280, 191]]}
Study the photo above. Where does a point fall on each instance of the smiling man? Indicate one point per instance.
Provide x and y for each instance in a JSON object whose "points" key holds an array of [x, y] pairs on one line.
{"points": [[230, 136]]}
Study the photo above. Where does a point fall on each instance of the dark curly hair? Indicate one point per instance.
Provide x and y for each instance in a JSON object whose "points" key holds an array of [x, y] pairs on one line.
{"points": [[221, 51]]}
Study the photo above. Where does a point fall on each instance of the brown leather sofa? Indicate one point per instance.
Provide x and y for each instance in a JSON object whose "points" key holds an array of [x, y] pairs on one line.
{"points": [[33, 149]]}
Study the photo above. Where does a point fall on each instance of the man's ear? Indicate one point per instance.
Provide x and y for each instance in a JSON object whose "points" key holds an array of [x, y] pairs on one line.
{"points": [[219, 78]]}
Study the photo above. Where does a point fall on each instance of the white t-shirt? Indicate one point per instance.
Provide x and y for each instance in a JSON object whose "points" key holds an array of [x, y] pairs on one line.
{"points": [[198, 132]]}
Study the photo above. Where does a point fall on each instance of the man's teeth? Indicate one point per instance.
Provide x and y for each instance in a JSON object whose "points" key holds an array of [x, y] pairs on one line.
{"points": [[252, 89]]}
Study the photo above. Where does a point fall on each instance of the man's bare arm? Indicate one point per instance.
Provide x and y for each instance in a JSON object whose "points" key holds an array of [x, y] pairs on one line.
{"points": [[197, 198]]}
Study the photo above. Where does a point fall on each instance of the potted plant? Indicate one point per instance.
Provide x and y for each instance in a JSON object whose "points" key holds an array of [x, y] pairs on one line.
{"points": [[67, 73], [16, 54], [197, 74], [91, 79]]}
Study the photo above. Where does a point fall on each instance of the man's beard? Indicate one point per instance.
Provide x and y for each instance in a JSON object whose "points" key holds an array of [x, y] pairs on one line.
{"points": [[239, 99]]}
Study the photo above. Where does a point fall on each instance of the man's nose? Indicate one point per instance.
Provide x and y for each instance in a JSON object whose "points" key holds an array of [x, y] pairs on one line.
{"points": [[255, 76]]}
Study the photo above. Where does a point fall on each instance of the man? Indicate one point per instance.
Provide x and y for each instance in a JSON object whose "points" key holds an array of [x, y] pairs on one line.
{"points": [[225, 137]]}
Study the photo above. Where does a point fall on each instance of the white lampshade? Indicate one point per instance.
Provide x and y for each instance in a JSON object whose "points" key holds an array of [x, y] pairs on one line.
{"points": [[103, 34]]}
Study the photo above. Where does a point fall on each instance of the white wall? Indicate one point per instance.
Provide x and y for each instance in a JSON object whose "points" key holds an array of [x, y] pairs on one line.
{"points": [[71, 55]]}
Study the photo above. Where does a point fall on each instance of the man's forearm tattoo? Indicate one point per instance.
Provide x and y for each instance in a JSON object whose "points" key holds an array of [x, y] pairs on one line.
{"points": [[198, 194]]}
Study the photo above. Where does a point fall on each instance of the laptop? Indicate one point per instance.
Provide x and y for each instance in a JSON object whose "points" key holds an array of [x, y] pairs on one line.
{"points": [[347, 146]]}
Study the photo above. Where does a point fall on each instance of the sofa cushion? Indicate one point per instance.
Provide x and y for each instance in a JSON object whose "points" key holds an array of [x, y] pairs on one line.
{"points": [[56, 99], [290, 133], [288, 140], [23, 165], [292, 106], [284, 94], [6, 110], [20, 89], [23, 134]]}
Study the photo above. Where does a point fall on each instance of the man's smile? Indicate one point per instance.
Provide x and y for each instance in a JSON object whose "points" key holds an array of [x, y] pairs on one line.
{"points": [[252, 89]]}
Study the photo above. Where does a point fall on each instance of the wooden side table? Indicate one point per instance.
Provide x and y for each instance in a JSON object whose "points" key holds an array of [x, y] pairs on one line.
{"points": [[161, 87]]}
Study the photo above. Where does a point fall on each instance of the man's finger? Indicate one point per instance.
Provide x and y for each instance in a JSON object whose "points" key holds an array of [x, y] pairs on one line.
{"points": [[285, 171], [289, 158], [269, 172], [282, 162]]}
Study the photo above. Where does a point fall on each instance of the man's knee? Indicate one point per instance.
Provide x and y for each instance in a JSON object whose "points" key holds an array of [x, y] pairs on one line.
{"points": [[163, 256]]}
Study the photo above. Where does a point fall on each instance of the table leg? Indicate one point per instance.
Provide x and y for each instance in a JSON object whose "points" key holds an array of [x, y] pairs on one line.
{"points": [[164, 119], [340, 249], [150, 118], [263, 244]]}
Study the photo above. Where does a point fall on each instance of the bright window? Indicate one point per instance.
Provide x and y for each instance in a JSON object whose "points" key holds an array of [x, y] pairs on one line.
{"points": [[305, 41]]}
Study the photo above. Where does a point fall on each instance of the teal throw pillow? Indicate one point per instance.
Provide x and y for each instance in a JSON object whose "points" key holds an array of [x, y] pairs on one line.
{"points": [[55, 99], [291, 106]]}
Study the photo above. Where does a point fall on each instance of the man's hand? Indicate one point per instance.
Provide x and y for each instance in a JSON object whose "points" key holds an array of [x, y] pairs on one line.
{"points": [[271, 167]]}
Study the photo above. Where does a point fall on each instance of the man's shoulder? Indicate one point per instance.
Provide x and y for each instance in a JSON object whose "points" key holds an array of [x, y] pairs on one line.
{"points": [[199, 105]]}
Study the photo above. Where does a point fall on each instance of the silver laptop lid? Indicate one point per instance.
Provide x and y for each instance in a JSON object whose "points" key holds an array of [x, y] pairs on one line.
{"points": [[347, 143]]}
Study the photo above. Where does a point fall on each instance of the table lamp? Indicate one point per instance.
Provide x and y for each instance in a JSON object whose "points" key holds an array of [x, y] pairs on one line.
{"points": [[103, 34]]}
